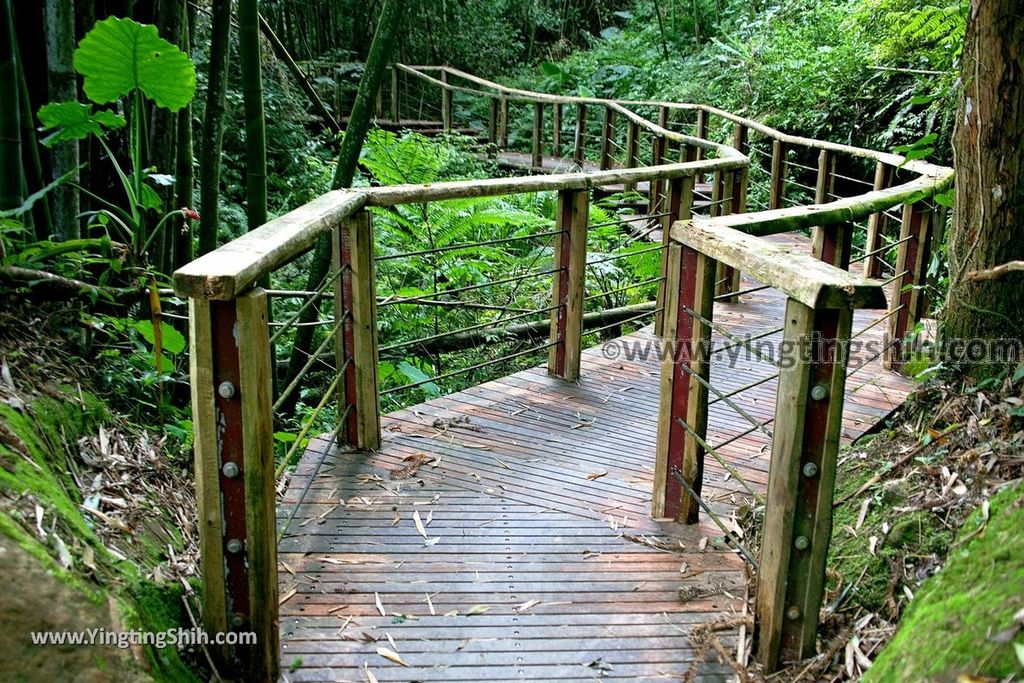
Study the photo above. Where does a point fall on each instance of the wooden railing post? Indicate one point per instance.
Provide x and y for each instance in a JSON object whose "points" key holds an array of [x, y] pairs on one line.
{"points": [[556, 130], [911, 269], [679, 207], [801, 481], [663, 119], [877, 223], [234, 464], [537, 160], [723, 201], [833, 244], [658, 150], [579, 153], [740, 180], [356, 344], [779, 167], [689, 290], [503, 123], [701, 131], [492, 122], [568, 284], [632, 150], [607, 138], [739, 137], [446, 103], [396, 95], [826, 181], [830, 243]]}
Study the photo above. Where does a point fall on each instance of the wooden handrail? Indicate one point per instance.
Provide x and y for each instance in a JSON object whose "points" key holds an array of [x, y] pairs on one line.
{"points": [[799, 276], [229, 270], [914, 165]]}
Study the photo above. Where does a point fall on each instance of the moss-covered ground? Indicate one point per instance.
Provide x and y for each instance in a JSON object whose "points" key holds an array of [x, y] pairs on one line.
{"points": [[966, 620], [40, 492]]}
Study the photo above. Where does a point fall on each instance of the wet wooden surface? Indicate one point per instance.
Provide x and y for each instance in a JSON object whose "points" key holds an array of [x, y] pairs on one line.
{"points": [[534, 496]]}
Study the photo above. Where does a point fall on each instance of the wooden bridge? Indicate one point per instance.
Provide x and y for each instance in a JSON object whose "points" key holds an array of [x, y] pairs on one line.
{"points": [[561, 523]]}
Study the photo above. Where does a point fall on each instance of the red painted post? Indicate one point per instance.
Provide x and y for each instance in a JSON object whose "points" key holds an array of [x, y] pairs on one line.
{"points": [[801, 482], [356, 344], [689, 301], [877, 224], [679, 207], [911, 271], [234, 464], [568, 284]]}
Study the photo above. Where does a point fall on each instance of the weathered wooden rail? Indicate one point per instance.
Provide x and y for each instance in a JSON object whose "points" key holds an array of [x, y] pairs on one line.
{"points": [[702, 258]]}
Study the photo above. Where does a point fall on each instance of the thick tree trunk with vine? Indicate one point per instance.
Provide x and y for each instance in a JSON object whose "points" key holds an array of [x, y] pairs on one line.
{"points": [[989, 147]]}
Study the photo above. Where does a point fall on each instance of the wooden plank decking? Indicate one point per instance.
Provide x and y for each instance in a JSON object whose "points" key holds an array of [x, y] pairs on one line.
{"points": [[537, 498]]}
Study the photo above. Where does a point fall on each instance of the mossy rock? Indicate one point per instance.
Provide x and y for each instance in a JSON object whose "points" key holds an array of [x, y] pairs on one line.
{"points": [[960, 621], [47, 432]]}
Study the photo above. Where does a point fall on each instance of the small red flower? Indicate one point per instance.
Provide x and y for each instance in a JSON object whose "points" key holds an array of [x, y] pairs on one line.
{"points": [[189, 214]]}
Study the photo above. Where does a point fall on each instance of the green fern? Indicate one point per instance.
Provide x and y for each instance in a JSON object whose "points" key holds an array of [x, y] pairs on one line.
{"points": [[912, 29]]}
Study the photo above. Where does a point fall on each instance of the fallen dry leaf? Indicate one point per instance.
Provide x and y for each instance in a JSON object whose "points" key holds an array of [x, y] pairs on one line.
{"points": [[419, 523], [288, 596], [380, 607], [596, 475], [391, 655]]}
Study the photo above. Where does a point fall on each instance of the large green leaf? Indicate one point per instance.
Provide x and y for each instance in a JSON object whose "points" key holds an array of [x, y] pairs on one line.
{"points": [[75, 121], [120, 55], [173, 341]]}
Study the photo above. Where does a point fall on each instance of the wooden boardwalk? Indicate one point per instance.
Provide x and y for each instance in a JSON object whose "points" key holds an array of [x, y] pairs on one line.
{"points": [[534, 495]]}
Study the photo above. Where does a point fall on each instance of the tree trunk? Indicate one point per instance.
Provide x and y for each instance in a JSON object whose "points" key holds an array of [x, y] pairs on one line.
{"points": [[163, 139], [989, 147], [60, 45], [35, 179], [213, 125], [183, 171], [11, 179], [348, 158], [255, 125]]}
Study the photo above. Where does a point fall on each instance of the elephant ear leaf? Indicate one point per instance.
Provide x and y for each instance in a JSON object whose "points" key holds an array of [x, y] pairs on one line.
{"points": [[120, 55], [75, 121]]}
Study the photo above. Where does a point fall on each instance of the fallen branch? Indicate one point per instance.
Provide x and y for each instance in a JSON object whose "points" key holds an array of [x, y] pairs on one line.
{"points": [[41, 281], [997, 273]]}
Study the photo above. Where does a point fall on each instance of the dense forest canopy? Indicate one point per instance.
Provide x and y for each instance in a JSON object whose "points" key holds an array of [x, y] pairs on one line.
{"points": [[138, 136]]}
